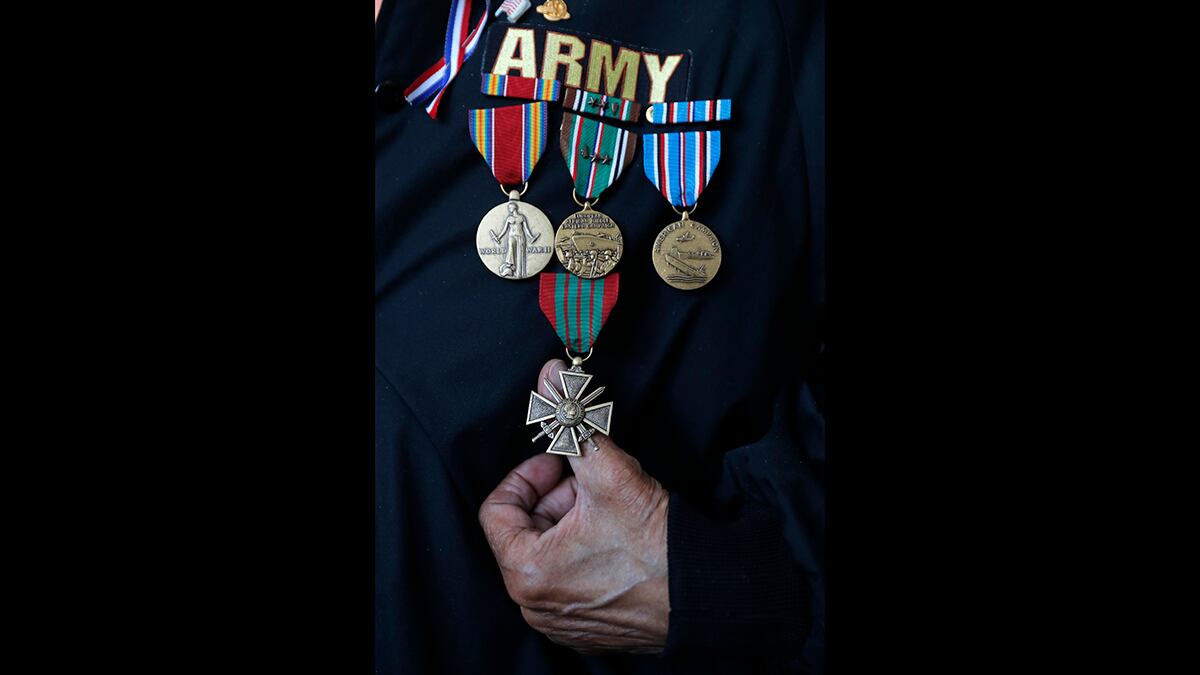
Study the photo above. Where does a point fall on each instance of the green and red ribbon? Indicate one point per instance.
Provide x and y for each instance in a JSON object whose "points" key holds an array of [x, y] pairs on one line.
{"points": [[596, 153], [511, 139], [577, 308]]}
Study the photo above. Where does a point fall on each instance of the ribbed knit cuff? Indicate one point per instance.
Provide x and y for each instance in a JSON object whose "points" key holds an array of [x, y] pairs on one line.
{"points": [[733, 583]]}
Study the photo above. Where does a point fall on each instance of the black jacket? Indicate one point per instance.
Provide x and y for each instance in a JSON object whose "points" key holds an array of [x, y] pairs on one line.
{"points": [[718, 391]]}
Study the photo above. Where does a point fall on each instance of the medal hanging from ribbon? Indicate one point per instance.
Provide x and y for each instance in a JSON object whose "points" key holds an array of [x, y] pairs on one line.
{"points": [[577, 309], [680, 165], [588, 243], [680, 112], [513, 239], [427, 90], [609, 107]]}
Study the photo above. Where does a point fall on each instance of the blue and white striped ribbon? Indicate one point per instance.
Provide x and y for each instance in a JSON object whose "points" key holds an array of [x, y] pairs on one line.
{"points": [[680, 112], [681, 164]]}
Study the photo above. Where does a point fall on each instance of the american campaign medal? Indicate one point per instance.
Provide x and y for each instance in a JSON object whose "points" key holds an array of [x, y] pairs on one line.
{"points": [[577, 309], [686, 254], [588, 243], [514, 238]]}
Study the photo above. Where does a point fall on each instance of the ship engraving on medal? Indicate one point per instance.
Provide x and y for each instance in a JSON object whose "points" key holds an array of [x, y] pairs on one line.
{"points": [[589, 244], [688, 260], [566, 418], [513, 240]]}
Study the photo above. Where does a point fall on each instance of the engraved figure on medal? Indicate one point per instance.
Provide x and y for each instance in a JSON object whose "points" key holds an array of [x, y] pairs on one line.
{"points": [[588, 244], [568, 420], [686, 254], [513, 240]]}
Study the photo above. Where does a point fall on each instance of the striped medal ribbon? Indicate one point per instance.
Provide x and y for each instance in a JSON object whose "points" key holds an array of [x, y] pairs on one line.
{"points": [[609, 107], [588, 243], [681, 112], [514, 238], [680, 165], [577, 309], [513, 86]]}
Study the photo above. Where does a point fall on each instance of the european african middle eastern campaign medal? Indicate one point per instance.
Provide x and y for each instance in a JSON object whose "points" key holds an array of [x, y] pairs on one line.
{"points": [[577, 309], [514, 238], [588, 243], [686, 254]]}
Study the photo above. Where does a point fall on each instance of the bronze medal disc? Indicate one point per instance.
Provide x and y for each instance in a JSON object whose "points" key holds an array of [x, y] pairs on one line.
{"points": [[588, 244], [686, 254], [514, 240]]}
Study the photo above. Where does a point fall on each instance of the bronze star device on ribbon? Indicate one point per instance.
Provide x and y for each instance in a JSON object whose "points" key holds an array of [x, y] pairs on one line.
{"points": [[588, 243], [577, 309]]}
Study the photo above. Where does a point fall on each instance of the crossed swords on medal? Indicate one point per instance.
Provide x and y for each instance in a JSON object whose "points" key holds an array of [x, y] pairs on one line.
{"points": [[568, 413]]}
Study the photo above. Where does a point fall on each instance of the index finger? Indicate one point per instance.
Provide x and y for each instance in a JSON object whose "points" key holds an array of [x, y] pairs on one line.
{"points": [[505, 514]]}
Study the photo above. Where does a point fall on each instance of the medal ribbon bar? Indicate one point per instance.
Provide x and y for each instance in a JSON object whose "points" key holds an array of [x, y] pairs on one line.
{"points": [[680, 112], [611, 107], [513, 86]]}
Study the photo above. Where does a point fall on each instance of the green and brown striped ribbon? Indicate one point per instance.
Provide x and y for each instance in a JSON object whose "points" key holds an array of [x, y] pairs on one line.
{"points": [[597, 153]]}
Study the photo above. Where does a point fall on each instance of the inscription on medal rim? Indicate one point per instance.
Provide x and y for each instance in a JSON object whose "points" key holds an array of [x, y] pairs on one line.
{"points": [[686, 254], [514, 240], [589, 244]]}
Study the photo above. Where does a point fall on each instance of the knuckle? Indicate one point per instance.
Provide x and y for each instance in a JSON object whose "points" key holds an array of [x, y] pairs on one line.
{"points": [[524, 583]]}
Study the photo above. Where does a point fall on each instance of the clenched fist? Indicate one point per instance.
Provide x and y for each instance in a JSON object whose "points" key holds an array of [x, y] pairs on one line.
{"points": [[586, 556]]}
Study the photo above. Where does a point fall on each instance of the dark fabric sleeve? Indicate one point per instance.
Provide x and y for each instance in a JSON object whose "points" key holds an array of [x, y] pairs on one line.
{"points": [[733, 583], [746, 566]]}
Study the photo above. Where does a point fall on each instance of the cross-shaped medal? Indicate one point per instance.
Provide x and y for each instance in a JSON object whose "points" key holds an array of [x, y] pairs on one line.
{"points": [[568, 413]]}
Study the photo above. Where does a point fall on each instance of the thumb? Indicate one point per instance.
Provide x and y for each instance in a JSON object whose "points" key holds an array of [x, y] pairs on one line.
{"points": [[607, 470], [603, 467]]}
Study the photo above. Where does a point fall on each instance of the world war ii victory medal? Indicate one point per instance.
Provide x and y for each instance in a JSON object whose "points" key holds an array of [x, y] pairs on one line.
{"points": [[514, 238]]}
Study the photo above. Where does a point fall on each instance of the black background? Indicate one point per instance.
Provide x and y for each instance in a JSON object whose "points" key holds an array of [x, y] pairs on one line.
{"points": [[241, 463]]}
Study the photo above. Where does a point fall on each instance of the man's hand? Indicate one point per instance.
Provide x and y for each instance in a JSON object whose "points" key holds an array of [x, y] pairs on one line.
{"points": [[585, 557]]}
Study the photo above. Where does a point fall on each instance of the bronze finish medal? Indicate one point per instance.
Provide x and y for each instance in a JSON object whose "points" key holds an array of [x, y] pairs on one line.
{"points": [[514, 238], [589, 243], [686, 254], [576, 309]]}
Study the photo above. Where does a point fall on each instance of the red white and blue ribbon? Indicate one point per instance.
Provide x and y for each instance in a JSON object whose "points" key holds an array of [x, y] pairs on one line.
{"points": [[513, 86], [427, 90], [679, 112], [681, 164], [511, 139]]}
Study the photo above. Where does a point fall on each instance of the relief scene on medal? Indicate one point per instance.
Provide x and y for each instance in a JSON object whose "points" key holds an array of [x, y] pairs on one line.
{"points": [[508, 240], [684, 259], [589, 244]]}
